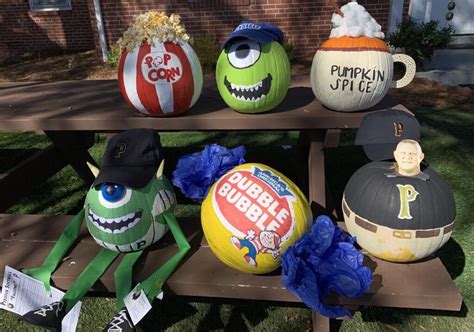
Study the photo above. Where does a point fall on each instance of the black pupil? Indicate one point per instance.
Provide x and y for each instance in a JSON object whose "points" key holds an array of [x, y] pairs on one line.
{"points": [[242, 51], [110, 190]]}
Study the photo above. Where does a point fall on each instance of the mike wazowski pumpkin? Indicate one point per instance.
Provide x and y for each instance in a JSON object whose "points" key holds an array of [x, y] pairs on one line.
{"points": [[123, 219], [129, 207], [251, 215], [253, 71], [396, 211]]}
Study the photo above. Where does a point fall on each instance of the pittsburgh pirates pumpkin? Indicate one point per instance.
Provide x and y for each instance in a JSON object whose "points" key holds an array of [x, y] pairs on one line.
{"points": [[396, 215]]}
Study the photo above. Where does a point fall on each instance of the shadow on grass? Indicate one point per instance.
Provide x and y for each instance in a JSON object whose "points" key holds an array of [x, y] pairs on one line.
{"points": [[453, 258], [398, 315]]}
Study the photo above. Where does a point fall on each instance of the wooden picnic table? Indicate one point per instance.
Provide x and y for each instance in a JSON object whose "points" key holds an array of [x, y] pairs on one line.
{"points": [[71, 112]]}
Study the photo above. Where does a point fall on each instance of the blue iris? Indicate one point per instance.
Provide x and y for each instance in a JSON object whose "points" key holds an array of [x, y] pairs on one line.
{"points": [[112, 192]]}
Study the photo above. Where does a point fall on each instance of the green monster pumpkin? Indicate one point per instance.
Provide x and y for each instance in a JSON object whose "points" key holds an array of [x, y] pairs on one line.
{"points": [[120, 219], [125, 219], [252, 76]]}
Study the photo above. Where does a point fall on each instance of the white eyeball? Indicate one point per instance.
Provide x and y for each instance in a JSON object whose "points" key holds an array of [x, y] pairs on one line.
{"points": [[112, 202], [243, 53]]}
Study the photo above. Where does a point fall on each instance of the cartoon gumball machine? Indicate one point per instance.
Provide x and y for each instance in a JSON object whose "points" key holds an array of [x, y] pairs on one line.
{"points": [[251, 215], [353, 69], [253, 71]]}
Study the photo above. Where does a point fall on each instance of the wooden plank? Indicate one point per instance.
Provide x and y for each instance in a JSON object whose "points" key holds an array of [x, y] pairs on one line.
{"points": [[19, 181], [99, 106], [202, 274]]}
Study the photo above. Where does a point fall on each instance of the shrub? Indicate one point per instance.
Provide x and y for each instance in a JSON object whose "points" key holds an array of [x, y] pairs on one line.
{"points": [[113, 57], [207, 51], [420, 40], [290, 51]]}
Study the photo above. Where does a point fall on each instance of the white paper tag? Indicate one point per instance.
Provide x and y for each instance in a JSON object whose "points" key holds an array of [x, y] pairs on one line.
{"points": [[22, 293], [137, 305]]}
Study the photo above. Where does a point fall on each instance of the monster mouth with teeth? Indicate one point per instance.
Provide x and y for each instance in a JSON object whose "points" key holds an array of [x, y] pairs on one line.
{"points": [[115, 225], [249, 93]]}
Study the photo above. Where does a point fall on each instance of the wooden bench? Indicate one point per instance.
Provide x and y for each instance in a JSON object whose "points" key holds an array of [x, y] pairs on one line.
{"points": [[71, 112]]}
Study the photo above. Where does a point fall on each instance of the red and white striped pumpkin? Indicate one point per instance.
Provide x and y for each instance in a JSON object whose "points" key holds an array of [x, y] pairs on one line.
{"points": [[160, 79]]}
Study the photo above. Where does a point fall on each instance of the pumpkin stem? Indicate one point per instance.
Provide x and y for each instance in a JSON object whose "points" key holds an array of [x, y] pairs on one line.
{"points": [[336, 7]]}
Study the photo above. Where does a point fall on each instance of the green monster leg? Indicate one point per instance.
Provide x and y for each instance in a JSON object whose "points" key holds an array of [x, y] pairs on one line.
{"points": [[152, 285], [123, 276], [89, 276]]}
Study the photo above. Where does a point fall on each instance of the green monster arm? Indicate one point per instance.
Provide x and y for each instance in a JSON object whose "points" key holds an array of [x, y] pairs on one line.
{"points": [[64, 243], [153, 284]]}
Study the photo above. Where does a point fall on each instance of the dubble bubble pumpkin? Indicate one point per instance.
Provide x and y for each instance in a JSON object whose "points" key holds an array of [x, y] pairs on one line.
{"points": [[251, 215]]}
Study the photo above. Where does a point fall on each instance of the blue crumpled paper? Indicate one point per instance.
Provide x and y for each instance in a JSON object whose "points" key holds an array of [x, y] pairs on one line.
{"points": [[325, 259], [196, 172]]}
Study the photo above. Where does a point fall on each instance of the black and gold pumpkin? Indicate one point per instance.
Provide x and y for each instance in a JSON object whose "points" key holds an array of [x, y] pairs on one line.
{"points": [[398, 218]]}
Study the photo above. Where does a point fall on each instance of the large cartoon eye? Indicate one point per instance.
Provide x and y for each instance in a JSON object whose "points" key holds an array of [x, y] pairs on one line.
{"points": [[112, 195], [243, 53]]}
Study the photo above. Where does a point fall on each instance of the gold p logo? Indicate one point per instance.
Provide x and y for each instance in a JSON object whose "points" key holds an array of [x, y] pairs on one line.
{"points": [[398, 128], [119, 149], [407, 194]]}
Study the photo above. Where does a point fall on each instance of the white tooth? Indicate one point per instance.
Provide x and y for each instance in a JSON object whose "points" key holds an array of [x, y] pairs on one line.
{"points": [[102, 220], [116, 231], [123, 229], [251, 89], [253, 99], [233, 95], [232, 85], [108, 230]]}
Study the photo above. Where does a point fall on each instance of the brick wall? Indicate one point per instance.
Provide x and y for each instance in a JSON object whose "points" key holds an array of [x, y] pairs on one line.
{"points": [[25, 31], [306, 23]]}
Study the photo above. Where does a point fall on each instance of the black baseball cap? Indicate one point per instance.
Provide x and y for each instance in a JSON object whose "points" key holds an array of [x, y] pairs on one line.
{"points": [[381, 131], [131, 158]]}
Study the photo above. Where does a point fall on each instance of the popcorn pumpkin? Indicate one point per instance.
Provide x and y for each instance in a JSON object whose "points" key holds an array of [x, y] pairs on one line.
{"points": [[253, 70], [128, 207]]}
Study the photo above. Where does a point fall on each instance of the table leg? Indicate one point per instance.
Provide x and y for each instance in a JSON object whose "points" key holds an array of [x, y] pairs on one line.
{"points": [[19, 180], [316, 172], [320, 323], [73, 145]]}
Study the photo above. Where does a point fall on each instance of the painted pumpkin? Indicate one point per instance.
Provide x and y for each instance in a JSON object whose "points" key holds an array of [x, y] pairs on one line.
{"points": [[160, 79], [123, 219], [351, 74], [398, 218], [253, 77], [251, 215]]}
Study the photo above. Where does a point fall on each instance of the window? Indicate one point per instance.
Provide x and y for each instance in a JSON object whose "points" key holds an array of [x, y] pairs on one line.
{"points": [[45, 5]]}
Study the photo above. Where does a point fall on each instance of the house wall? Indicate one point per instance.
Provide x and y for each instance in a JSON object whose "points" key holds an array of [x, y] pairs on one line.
{"points": [[25, 31], [306, 23]]}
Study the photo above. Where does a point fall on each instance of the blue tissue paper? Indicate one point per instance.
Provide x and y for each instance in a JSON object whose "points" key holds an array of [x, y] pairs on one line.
{"points": [[196, 172], [322, 260]]}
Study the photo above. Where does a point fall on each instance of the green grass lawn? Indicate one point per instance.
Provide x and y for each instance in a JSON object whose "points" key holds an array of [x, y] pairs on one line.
{"points": [[448, 145]]}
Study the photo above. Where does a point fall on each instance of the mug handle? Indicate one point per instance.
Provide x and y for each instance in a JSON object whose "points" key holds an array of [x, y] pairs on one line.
{"points": [[410, 70]]}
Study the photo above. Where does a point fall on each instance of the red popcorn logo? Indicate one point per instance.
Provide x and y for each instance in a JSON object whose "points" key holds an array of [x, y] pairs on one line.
{"points": [[161, 68]]}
